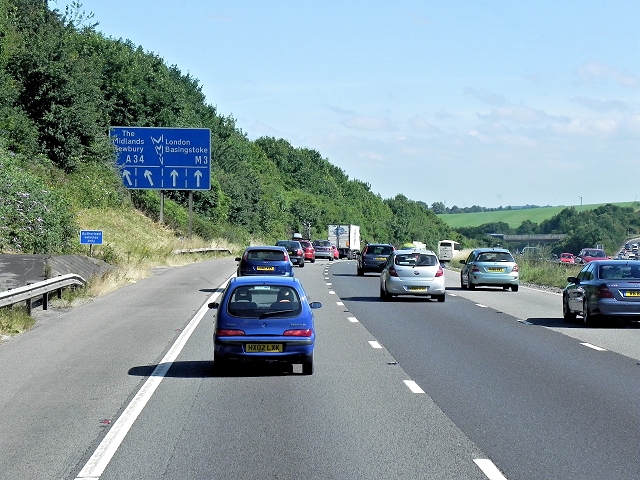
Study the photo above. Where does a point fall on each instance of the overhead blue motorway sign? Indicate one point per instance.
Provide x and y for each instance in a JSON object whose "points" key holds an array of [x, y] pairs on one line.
{"points": [[155, 158]]}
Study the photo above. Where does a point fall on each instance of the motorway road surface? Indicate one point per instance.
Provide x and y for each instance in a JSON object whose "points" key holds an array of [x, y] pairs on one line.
{"points": [[489, 384]]}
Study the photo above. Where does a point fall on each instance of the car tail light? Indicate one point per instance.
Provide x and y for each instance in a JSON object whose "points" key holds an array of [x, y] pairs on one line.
{"points": [[299, 252], [475, 268], [440, 272], [515, 268], [286, 257], [392, 272], [604, 292], [298, 333], [224, 332]]}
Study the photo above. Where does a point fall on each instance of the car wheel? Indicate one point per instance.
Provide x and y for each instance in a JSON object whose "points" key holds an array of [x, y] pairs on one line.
{"points": [[301, 264], [462, 284], [470, 285], [220, 365], [440, 298], [514, 288], [331, 259], [384, 295], [360, 272], [307, 365], [588, 318], [313, 260], [567, 314]]}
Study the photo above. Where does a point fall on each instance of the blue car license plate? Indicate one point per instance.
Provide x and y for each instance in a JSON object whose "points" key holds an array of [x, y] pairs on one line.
{"points": [[263, 347]]}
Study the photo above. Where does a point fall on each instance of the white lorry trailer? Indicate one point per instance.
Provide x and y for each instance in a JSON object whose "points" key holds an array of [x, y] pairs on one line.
{"points": [[346, 238]]}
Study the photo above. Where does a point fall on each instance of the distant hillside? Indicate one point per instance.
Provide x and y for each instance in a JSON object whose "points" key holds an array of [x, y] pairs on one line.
{"points": [[514, 218]]}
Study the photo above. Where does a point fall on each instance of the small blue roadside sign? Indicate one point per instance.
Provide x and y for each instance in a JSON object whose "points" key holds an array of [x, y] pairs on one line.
{"points": [[90, 237], [154, 158]]}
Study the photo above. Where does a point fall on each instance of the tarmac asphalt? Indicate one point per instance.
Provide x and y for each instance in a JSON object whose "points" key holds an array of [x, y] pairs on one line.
{"points": [[19, 270]]}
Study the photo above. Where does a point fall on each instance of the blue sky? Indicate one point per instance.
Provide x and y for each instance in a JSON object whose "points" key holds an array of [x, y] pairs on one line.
{"points": [[463, 102]]}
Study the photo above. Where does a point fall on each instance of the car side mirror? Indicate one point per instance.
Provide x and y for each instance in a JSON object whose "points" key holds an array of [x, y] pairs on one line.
{"points": [[463, 262], [213, 305], [238, 259], [315, 304], [573, 280]]}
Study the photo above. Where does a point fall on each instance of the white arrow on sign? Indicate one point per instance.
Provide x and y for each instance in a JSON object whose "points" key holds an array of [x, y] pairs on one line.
{"points": [[174, 175], [198, 176], [127, 174], [148, 176]]}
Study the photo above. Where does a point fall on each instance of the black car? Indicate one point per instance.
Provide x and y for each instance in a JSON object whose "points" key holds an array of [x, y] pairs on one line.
{"points": [[294, 249], [373, 257]]}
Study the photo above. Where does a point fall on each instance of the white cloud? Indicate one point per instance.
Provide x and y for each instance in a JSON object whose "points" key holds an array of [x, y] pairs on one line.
{"points": [[601, 105], [586, 126], [592, 71], [486, 96], [369, 155], [518, 114], [368, 123], [419, 124]]}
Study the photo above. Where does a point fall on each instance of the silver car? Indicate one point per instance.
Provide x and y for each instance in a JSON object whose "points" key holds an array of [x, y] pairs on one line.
{"points": [[490, 267], [412, 272], [603, 288]]}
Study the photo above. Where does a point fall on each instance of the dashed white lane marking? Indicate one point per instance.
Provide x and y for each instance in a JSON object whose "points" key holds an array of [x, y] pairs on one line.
{"points": [[452, 295], [98, 462], [353, 319], [331, 292], [481, 305], [489, 469], [413, 386], [374, 344], [594, 347], [329, 283], [340, 303]]}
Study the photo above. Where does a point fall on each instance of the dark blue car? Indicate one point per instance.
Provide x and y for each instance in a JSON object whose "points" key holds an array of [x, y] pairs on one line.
{"points": [[265, 260], [265, 319]]}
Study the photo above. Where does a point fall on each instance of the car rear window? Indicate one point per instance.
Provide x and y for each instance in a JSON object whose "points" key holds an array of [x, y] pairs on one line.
{"points": [[495, 257], [619, 272], [379, 250], [266, 255], [595, 253], [416, 259], [322, 243], [261, 301]]}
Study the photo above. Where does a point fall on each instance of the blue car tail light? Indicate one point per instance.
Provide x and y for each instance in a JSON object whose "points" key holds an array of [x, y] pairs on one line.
{"points": [[298, 333]]}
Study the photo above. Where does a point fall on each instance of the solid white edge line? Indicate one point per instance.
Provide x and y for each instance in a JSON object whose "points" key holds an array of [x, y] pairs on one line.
{"points": [[595, 347], [481, 305], [101, 457], [353, 319], [489, 469], [374, 344], [413, 386]]}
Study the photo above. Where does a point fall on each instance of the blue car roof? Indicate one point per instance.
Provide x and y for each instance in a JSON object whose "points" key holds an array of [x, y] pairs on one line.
{"points": [[265, 280]]}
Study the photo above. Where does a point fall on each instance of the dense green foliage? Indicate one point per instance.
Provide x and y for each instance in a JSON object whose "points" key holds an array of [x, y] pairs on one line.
{"points": [[63, 84]]}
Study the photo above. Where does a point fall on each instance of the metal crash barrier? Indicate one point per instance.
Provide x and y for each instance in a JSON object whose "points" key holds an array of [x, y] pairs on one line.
{"points": [[40, 289]]}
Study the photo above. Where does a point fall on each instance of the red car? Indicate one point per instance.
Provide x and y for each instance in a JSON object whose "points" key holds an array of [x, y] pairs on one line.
{"points": [[336, 253], [567, 258], [309, 251], [587, 255]]}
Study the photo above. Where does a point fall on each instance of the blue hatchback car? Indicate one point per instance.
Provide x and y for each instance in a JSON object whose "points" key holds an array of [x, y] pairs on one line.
{"points": [[265, 260], [266, 319]]}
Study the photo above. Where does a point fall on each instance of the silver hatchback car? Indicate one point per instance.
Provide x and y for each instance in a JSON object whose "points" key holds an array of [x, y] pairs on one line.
{"points": [[412, 272], [490, 267]]}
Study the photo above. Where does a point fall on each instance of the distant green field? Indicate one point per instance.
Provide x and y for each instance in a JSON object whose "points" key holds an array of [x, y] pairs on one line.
{"points": [[514, 218]]}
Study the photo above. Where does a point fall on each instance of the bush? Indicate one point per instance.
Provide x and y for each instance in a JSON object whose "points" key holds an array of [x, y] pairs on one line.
{"points": [[33, 218]]}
